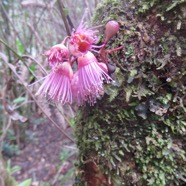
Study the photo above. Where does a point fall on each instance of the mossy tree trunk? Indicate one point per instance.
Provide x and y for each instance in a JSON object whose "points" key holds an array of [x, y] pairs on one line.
{"points": [[136, 134]]}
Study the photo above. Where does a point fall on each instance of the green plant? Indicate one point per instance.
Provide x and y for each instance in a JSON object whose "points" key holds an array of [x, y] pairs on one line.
{"points": [[25, 182], [11, 170]]}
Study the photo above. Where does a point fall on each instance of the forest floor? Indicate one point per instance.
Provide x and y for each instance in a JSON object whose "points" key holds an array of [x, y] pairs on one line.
{"points": [[48, 159]]}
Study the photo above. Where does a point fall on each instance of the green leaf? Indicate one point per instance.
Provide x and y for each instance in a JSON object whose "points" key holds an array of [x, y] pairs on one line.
{"points": [[128, 94], [117, 157], [178, 51], [8, 167], [169, 144], [26, 182], [20, 47], [72, 122], [33, 67], [19, 100], [133, 72], [15, 169], [66, 12], [173, 5], [179, 25]]}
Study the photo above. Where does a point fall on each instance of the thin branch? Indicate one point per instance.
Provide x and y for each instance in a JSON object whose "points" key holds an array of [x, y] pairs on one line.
{"points": [[95, 3], [41, 66], [61, 9], [38, 39], [12, 24], [68, 17], [15, 53], [18, 56], [69, 20], [87, 4], [37, 22]]}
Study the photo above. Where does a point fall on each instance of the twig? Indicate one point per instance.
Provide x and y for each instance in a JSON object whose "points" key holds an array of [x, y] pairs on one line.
{"points": [[33, 30], [87, 4], [37, 22], [68, 17], [29, 57], [95, 3], [61, 9], [24, 103], [5, 129], [8, 18], [16, 54], [1, 178], [58, 174]]}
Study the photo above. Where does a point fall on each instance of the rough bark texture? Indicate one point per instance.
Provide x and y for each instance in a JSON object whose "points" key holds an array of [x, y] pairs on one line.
{"points": [[136, 134]]}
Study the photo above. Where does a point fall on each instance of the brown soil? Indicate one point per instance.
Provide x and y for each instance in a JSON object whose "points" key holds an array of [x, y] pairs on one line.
{"points": [[40, 159]]}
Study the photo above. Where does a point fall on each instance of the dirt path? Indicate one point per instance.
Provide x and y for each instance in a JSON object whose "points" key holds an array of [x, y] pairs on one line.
{"points": [[40, 159]]}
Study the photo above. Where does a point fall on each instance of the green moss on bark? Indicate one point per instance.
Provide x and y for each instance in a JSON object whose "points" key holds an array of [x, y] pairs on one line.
{"points": [[136, 134]]}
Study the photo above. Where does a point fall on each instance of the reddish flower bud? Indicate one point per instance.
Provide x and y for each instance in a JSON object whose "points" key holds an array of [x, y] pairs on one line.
{"points": [[112, 27]]}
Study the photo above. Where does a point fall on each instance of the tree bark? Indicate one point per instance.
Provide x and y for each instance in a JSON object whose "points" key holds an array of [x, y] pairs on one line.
{"points": [[136, 134]]}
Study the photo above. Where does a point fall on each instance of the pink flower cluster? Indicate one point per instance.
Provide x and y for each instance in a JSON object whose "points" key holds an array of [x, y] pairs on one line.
{"points": [[86, 82]]}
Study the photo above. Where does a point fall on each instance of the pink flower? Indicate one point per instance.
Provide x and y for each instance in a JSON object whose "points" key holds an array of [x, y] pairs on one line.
{"points": [[89, 79], [82, 40], [57, 85], [57, 54], [75, 92]]}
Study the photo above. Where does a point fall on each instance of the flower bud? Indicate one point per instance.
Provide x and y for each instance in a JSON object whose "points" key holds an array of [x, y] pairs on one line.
{"points": [[112, 27], [111, 68]]}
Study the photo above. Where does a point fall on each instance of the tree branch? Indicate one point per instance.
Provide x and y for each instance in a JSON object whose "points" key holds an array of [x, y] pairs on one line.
{"points": [[64, 17]]}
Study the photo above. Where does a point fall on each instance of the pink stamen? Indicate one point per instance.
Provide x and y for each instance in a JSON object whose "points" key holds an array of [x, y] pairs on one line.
{"points": [[57, 86]]}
